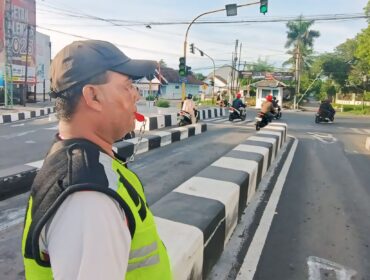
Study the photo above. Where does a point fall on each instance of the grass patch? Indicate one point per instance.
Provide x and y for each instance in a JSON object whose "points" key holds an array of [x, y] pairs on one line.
{"points": [[162, 103], [353, 109]]}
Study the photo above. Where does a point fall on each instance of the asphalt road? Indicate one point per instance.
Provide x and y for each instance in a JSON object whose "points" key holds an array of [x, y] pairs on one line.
{"points": [[320, 227], [323, 216], [160, 170], [25, 141]]}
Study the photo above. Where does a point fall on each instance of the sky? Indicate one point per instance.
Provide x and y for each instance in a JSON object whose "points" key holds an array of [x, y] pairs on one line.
{"points": [[263, 40]]}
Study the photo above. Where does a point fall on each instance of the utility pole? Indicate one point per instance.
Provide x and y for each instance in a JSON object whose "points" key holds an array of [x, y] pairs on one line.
{"points": [[8, 36], [297, 75], [240, 55], [25, 90]]}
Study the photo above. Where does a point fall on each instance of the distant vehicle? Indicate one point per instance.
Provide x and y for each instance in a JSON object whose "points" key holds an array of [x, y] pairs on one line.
{"points": [[324, 117], [234, 113], [184, 118]]}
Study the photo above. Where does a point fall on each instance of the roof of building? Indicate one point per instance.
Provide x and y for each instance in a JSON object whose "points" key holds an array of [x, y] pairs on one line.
{"points": [[272, 83], [172, 76]]}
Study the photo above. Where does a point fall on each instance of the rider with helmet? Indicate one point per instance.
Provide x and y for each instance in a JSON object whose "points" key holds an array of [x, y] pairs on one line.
{"points": [[237, 103], [189, 106], [267, 107]]}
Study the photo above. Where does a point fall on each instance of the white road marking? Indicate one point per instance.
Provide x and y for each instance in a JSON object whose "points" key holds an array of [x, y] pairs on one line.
{"points": [[17, 134], [55, 127], [30, 142], [357, 130], [251, 260], [316, 264], [323, 137], [15, 125], [11, 217], [367, 131]]}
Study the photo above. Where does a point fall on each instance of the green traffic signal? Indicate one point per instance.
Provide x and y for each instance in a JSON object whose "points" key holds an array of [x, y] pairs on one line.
{"points": [[263, 6], [182, 67]]}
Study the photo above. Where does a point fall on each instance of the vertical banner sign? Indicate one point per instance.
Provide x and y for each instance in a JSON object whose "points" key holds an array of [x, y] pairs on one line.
{"points": [[2, 43], [23, 16]]}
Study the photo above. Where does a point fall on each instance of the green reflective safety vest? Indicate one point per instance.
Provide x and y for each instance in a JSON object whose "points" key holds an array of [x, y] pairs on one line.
{"points": [[57, 179]]}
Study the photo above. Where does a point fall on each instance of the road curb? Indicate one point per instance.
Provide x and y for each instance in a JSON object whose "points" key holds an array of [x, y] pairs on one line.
{"points": [[18, 179], [25, 115], [204, 211], [367, 143], [160, 121]]}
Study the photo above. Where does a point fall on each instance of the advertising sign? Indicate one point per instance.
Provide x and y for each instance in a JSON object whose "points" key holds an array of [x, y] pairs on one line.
{"points": [[20, 16]]}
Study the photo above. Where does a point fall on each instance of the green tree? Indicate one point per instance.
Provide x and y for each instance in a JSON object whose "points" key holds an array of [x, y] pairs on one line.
{"points": [[367, 11], [199, 76], [260, 66], [162, 63], [300, 39]]}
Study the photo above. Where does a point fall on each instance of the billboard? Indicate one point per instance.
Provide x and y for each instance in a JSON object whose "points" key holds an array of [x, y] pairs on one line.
{"points": [[20, 19], [285, 76]]}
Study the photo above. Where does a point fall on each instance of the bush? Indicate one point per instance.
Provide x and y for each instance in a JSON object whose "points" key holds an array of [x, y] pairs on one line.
{"points": [[162, 103], [251, 101], [196, 98], [150, 98]]}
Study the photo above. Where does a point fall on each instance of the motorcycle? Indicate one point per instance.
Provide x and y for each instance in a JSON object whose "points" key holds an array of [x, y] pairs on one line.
{"points": [[277, 114], [184, 118], [324, 117], [261, 120], [240, 113]]}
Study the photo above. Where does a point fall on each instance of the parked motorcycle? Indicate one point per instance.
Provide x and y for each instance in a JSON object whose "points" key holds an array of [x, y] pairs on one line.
{"points": [[234, 113], [184, 118], [324, 117], [261, 120]]}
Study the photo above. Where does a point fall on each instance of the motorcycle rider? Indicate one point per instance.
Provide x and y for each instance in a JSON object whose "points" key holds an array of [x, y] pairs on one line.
{"points": [[189, 107], [327, 109], [238, 103], [267, 108]]}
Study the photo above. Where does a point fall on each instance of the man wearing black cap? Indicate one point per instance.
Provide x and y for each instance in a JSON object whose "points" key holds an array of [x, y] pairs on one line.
{"points": [[87, 215]]}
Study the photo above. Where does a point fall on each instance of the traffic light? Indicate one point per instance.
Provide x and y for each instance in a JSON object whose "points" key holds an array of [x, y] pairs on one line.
{"points": [[192, 48], [201, 53], [188, 70], [263, 6], [182, 67]]}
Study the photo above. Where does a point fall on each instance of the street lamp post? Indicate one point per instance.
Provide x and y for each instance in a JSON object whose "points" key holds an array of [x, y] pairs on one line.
{"points": [[203, 14]]}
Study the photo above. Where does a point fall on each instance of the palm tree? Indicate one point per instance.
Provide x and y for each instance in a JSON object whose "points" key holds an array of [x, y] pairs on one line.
{"points": [[300, 37]]}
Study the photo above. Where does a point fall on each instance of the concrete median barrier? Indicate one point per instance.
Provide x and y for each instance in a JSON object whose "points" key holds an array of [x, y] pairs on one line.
{"points": [[37, 112], [367, 143], [205, 209], [160, 121]]}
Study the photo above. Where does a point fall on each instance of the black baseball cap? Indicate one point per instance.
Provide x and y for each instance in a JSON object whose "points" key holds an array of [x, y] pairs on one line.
{"points": [[82, 60]]}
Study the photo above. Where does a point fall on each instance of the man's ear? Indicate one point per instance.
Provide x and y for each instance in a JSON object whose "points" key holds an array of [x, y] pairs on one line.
{"points": [[92, 98]]}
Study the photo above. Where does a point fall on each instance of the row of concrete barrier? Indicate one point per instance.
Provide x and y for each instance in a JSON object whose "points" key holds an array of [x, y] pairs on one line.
{"points": [[196, 220], [37, 112], [18, 179], [167, 120]]}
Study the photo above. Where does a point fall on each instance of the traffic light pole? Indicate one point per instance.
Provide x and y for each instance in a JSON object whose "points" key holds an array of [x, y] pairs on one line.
{"points": [[214, 73], [187, 31]]}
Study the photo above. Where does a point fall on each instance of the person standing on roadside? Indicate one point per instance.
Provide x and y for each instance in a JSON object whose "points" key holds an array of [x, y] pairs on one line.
{"points": [[87, 215]]}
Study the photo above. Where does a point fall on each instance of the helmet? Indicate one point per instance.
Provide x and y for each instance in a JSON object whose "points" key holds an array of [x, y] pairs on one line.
{"points": [[269, 98], [190, 96], [274, 98], [238, 95]]}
